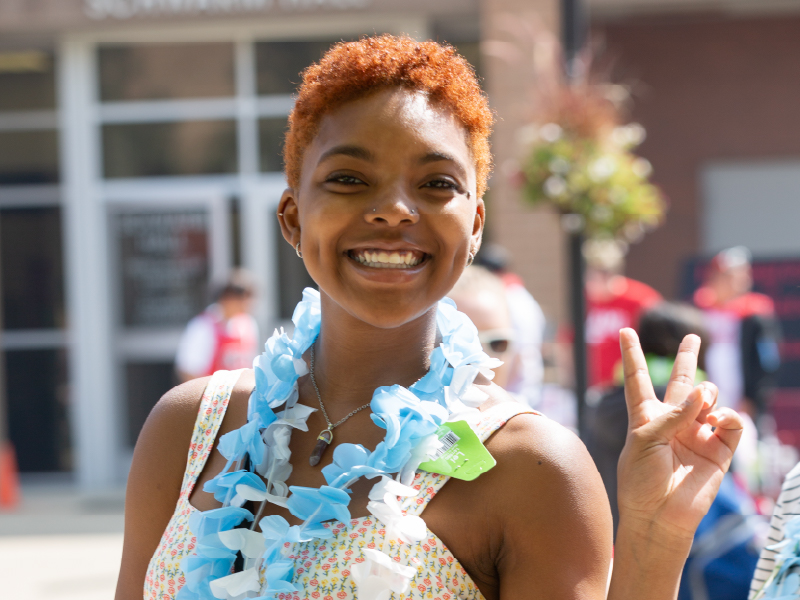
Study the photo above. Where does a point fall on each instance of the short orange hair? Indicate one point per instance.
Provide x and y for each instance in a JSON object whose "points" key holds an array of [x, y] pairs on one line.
{"points": [[352, 70]]}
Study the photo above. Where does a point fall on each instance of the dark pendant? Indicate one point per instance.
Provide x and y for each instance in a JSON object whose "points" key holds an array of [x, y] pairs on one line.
{"points": [[324, 440]]}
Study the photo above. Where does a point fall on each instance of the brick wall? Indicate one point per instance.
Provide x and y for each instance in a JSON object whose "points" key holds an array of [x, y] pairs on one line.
{"points": [[707, 88]]}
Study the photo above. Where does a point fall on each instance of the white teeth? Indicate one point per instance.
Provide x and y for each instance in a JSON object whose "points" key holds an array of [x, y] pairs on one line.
{"points": [[387, 260]]}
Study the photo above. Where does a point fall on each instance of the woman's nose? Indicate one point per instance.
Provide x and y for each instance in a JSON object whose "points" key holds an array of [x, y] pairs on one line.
{"points": [[394, 213]]}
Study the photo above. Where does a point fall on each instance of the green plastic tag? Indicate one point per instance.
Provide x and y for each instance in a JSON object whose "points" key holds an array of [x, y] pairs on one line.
{"points": [[462, 454]]}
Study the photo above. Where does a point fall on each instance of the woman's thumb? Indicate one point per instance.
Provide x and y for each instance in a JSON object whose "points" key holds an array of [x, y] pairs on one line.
{"points": [[672, 422]]}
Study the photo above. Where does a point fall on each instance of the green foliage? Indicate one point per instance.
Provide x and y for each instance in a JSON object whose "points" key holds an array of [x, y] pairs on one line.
{"points": [[597, 177]]}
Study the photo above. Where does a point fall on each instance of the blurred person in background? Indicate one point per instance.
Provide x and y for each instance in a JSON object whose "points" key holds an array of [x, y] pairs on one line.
{"points": [[482, 296], [224, 336], [726, 544], [613, 302], [743, 356], [528, 322]]}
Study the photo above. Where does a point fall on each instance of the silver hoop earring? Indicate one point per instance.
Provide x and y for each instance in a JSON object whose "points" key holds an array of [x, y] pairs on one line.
{"points": [[297, 250], [470, 258]]}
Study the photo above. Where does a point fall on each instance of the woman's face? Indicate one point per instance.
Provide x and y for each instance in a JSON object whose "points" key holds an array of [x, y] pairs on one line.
{"points": [[386, 211]]}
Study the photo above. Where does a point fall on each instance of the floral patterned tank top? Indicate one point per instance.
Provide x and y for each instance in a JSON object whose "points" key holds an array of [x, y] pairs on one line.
{"points": [[322, 567]]}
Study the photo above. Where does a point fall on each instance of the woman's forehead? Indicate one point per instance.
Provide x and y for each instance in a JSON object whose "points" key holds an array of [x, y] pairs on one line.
{"points": [[394, 120]]}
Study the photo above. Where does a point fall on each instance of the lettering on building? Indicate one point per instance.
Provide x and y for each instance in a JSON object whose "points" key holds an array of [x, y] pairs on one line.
{"points": [[126, 9]]}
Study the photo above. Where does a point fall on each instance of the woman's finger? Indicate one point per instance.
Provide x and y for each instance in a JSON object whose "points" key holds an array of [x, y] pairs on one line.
{"points": [[728, 426], [681, 382], [710, 397], [666, 426], [638, 386]]}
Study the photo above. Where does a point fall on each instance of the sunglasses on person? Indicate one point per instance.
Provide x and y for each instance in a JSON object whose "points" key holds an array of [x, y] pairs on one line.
{"points": [[496, 342]]}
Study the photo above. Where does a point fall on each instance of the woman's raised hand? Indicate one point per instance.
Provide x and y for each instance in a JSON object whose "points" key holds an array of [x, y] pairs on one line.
{"points": [[677, 451]]}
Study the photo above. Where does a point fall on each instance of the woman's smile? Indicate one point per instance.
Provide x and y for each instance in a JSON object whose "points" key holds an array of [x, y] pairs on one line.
{"points": [[377, 258]]}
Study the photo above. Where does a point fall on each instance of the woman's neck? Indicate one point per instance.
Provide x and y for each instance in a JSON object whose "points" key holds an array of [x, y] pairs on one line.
{"points": [[352, 358]]}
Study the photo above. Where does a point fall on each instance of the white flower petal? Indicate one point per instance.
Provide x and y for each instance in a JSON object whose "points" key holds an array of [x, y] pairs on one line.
{"points": [[372, 588], [300, 366], [250, 493], [235, 585], [387, 485], [474, 397], [412, 529], [251, 543]]}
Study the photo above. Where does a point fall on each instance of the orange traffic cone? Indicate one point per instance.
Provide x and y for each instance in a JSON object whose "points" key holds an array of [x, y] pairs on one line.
{"points": [[9, 477]]}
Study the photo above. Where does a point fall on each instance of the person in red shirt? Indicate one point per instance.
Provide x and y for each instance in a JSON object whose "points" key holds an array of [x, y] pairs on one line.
{"points": [[224, 336], [743, 355], [613, 302]]}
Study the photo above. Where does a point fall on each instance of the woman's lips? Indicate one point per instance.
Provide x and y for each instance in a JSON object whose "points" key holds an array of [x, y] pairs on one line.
{"points": [[377, 258]]}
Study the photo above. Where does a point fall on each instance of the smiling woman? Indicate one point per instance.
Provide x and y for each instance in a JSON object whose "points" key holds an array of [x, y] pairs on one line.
{"points": [[387, 161]]}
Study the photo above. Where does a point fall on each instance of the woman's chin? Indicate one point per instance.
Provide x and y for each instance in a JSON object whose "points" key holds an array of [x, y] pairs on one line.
{"points": [[389, 313]]}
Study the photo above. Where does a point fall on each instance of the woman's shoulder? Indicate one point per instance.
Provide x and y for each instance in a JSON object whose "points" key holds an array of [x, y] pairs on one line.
{"points": [[532, 450], [174, 416], [543, 499], [167, 432]]}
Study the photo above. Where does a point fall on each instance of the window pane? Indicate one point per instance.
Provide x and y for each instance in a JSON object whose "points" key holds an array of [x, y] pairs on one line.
{"points": [[292, 275], [28, 157], [27, 81], [164, 71], [152, 149], [270, 135], [279, 64], [32, 268], [163, 266], [145, 383], [38, 417]]}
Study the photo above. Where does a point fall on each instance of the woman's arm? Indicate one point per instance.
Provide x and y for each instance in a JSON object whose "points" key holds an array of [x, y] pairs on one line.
{"points": [[553, 512], [675, 456], [556, 523], [154, 482]]}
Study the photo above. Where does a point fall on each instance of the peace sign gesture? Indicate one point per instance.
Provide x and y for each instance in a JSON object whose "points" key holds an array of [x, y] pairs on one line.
{"points": [[677, 451]]}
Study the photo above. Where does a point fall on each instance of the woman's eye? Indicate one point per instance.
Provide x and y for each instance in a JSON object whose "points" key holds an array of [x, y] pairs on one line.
{"points": [[442, 184], [345, 179]]}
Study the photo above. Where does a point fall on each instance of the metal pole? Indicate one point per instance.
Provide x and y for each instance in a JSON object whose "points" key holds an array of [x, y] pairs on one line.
{"points": [[577, 269], [573, 31]]}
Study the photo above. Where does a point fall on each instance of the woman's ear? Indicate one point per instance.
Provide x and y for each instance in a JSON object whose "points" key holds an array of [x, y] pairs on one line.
{"points": [[477, 226], [289, 217]]}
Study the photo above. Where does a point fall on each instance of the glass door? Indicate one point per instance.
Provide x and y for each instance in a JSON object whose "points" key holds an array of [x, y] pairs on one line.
{"points": [[168, 251]]}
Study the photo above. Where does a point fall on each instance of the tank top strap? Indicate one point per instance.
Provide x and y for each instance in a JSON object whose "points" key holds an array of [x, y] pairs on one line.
{"points": [[209, 418], [484, 425]]}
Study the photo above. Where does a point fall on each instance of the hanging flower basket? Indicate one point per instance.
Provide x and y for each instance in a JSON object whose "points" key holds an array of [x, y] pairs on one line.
{"points": [[580, 161]]}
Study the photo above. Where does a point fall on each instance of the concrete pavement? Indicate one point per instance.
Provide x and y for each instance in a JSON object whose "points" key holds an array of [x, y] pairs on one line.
{"points": [[61, 544]]}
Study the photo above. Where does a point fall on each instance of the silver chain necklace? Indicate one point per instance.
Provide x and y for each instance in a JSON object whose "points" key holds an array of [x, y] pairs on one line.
{"points": [[325, 437]]}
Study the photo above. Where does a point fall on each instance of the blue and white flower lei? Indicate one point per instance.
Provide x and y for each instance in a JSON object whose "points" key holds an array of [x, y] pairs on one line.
{"points": [[410, 416]]}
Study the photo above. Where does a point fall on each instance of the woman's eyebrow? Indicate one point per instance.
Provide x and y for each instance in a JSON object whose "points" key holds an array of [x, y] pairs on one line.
{"points": [[348, 150], [437, 156]]}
